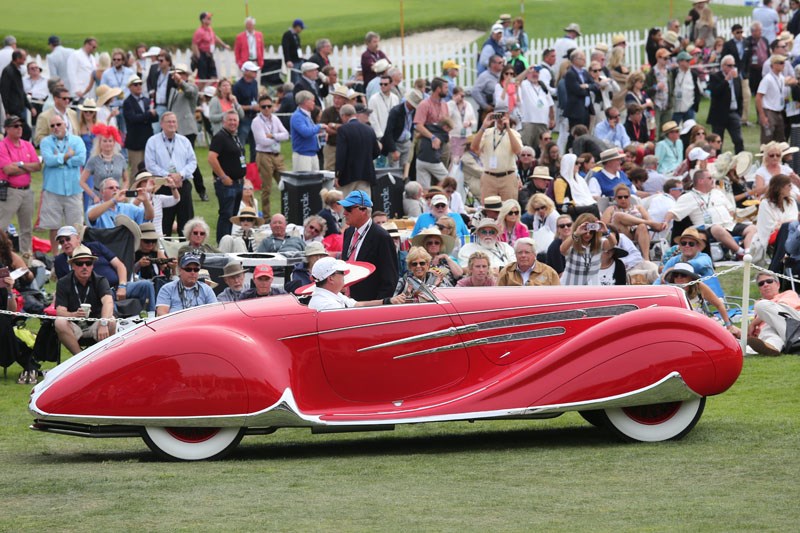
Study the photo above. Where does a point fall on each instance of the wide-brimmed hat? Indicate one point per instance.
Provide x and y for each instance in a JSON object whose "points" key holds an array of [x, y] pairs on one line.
{"points": [[88, 105], [81, 252], [669, 126], [573, 27], [247, 212], [694, 234], [340, 90], [722, 165], [133, 227], [601, 47], [617, 39], [205, 277], [414, 97], [448, 243], [672, 38], [681, 268], [315, 248], [541, 172], [492, 203], [742, 162], [392, 229], [106, 93], [610, 155], [232, 268], [381, 65], [144, 176], [182, 68], [133, 79], [149, 232], [488, 223], [788, 150]]}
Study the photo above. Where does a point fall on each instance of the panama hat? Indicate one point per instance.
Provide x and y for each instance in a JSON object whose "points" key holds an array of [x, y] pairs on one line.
{"points": [[106, 93], [610, 155], [247, 212], [681, 268], [82, 252], [447, 241]]}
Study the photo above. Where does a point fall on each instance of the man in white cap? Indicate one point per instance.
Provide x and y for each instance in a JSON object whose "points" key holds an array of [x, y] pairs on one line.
{"points": [[309, 81], [492, 47], [329, 276], [439, 207], [380, 68], [246, 92]]}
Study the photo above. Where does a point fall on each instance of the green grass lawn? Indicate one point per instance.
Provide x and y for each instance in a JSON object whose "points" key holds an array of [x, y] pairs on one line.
{"points": [[344, 22], [736, 470]]}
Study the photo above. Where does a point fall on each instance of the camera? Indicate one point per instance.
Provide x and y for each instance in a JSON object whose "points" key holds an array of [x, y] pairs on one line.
{"points": [[160, 260], [593, 226], [497, 116], [131, 194]]}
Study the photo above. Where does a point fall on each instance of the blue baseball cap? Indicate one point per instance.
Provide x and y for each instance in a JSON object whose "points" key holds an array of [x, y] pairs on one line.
{"points": [[356, 199], [188, 259], [299, 22]]}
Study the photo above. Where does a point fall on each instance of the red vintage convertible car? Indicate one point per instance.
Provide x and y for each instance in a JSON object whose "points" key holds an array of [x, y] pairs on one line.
{"points": [[632, 359]]}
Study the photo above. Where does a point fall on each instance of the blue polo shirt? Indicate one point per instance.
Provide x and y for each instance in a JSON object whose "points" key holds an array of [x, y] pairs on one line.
{"points": [[107, 219], [178, 297]]}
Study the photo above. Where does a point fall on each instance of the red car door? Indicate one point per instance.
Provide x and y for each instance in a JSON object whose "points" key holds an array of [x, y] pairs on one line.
{"points": [[369, 354]]}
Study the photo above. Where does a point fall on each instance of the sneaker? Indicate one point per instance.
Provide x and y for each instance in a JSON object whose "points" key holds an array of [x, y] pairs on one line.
{"points": [[204, 197], [31, 378], [23, 378]]}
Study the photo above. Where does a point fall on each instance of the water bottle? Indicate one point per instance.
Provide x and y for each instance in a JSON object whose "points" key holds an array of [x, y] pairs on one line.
{"points": [[565, 205]]}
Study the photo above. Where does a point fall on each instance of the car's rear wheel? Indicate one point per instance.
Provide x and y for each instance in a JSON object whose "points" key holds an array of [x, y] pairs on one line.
{"points": [[190, 443], [657, 422]]}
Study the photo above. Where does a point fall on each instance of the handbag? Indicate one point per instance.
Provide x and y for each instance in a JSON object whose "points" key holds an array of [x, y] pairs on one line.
{"points": [[791, 343]]}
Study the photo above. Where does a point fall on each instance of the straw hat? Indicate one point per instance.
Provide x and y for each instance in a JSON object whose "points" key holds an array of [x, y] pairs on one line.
{"points": [[81, 252], [574, 27], [247, 212], [106, 93], [612, 154], [315, 248], [488, 223], [205, 277], [149, 232], [492, 203], [742, 162], [541, 172], [669, 126], [141, 177], [617, 39], [722, 165], [88, 105], [672, 38], [694, 234], [340, 90], [447, 241], [392, 229]]}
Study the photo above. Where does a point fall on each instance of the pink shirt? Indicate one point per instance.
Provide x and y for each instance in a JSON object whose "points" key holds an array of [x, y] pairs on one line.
{"points": [[203, 38], [10, 154], [430, 112]]}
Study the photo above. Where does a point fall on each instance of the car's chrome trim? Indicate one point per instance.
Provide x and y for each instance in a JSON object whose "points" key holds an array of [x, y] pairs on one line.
{"points": [[286, 413], [508, 337], [558, 316]]}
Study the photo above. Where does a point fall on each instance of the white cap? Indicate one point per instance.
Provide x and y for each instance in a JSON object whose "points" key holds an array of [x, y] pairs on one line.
{"points": [[153, 51], [698, 154], [439, 199], [326, 266], [308, 66], [497, 28], [249, 65]]}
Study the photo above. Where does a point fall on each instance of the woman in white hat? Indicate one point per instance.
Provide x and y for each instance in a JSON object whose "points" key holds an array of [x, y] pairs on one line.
{"points": [[440, 247], [244, 240], [150, 184], [105, 113]]}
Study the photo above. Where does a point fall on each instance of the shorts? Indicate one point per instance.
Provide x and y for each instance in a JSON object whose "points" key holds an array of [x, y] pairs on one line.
{"points": [[58, 210], [738, 229], [84, 330]]}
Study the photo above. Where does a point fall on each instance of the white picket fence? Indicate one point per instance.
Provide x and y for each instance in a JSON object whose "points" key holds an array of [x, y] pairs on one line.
{"points": [[425, 60]]}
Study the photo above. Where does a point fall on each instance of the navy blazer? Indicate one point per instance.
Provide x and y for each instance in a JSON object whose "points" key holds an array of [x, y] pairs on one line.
{"points": [[138, 122], [152, 82], [378, 249], [721, 98], [356, 148], [394, 127], [575, 107]]}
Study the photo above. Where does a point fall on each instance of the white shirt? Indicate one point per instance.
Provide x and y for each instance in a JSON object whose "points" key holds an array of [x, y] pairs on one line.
{"points": [[561, 46], [57, 64], [458, 117], [770, 219], [695, 205], [380, 105], [768, 18], [774, 91], [5, 56], [658, 205], [37, 89], [322, 299], [80, 67], [534, 103], [684, 86]]}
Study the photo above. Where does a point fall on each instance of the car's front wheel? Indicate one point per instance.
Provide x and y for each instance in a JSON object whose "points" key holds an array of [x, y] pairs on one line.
{"points": [[191, 444], [657, 422]]}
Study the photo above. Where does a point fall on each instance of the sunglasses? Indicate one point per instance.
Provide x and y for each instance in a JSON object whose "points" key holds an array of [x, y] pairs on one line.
{"points": [[763, 282], [690, 244], [613, 117], [14, 126], [508, 74], [443, 227], [62, 240], [83, 263], [625, 197], [526, 155], [136, 83], [440, 206], [487, 232], [540, 208], [201, 233], [149, 241], [434, 243], [384, 84], [54, 126], [249, 219], [418, 263], [191, 269], [515, 212], [562, 226], [65, 98], [350, 208], [312, 228], [547, 138], [596, 70], [267, 106]]}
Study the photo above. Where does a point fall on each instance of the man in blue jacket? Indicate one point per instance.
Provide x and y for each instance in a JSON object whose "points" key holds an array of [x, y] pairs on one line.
{"points": [[305, 135]]}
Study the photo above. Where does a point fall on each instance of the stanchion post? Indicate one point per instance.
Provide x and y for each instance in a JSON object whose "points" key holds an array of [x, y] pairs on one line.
{"points": [[748, 259]]}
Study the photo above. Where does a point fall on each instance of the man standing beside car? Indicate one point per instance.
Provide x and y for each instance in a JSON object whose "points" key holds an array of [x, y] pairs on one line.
{"points": [[226, 157]]}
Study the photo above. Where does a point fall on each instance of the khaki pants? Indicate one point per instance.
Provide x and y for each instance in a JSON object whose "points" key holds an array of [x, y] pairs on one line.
{"points": [[20, 203], [506, 187], [305, 163], [134, 158], [329, 157], [356, 186], [269, 167], [746, 96]]}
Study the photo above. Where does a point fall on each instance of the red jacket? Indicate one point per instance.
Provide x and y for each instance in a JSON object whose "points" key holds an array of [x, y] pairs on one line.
{"points": [[242, 52]]}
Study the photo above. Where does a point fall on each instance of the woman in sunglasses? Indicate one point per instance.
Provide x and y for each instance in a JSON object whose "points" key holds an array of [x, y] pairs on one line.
{"points": [[699, 294], [541, 213], [583, 248], [772, 166], [631, 220], [196, 232], [419, 273], [509, 220]]}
